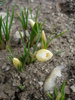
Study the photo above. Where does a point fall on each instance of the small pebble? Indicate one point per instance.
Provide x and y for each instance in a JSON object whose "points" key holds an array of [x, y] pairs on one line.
{"points": [[73, 88], [7, 68]]}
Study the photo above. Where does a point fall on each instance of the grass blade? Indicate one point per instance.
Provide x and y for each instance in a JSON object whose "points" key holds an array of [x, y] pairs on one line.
{"points": [[23, 42], [30, 10], [0, 29], [20, 10], [55, 90], [62, 88], [37, 14], [2, 2], [49, 95], [58, 35], [10, 52], [12, 16], [50, 37], [36, 44]]}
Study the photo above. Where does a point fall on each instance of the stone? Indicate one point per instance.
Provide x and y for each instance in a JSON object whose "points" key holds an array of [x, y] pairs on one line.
{"points": [[17, 36], [67, 90], [7, 68], [50, 81], [3, 14], [4, 66], [73, 88], [40, 84]]}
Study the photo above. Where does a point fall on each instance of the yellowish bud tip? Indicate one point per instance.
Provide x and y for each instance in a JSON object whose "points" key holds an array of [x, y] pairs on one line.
{"points": [[43, 36], [43, 55], [58, 96], [31, 22], [17, 62]]}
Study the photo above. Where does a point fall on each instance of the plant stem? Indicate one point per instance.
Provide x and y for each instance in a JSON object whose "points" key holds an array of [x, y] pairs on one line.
{"points": [[24, 35], [7, 44], [2, 45]]}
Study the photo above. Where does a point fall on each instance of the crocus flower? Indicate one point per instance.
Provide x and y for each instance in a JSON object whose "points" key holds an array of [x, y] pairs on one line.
{"points": [[17, 62], [31, 22], [43, 36], [43, 55]]}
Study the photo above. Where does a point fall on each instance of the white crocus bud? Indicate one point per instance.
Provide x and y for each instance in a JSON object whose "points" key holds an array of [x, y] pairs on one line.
{"points": [[43, 55], [17, 62], [31, 22], [43, 36]]}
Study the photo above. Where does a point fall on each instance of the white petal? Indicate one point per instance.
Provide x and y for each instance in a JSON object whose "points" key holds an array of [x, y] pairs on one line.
{"points": [[43, 55]]}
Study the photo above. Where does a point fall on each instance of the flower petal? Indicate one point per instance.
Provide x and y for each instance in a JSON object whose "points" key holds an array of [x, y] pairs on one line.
{"points": [[31, 22], [17, 62], [43, 55]]}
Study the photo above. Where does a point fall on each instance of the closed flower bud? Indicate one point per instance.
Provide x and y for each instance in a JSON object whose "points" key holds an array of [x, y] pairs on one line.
{"points": [[17, 62], [43, 55], [31, 22], [43, 36]]}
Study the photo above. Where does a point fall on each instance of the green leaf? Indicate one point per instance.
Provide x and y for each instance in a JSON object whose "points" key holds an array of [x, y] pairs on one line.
{"points": [[12, 16], [2, 2], [63, 96], [23, 42], [19, 19], [49, 95], [20, 10], [0, 29], [49, 39], [21, 87], [30, 10], [34, 33], [62, 87], [36, 44], [10, 52], [55, 90], [37, 14], [58, 35], [10, 59]]}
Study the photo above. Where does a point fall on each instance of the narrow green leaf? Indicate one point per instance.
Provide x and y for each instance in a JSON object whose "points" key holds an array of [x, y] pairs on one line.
{"points": [[2, 2], [36, 44], [23, 42], [29, 46], [50, 37], [63, 96], [21, 86], [19, 19], [49, 95], [3, 27], [20, 10], [0, 29], [30, 10], [10, 59], [10, 52], [37, 14], [62, 87], [55, 90], [33, 33], [58, 35], [12, 16]]}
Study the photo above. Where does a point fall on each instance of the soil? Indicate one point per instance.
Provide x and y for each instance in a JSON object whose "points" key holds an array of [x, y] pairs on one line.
{"points": [[32, 74]]}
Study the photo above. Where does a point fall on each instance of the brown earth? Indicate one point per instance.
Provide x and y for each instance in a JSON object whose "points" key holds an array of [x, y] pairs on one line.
{"points": [[10, 78]]}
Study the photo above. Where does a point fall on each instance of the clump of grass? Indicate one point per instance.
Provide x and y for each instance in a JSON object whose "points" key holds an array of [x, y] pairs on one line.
{"points": [[50, 38], [35, 37], [7, 26], [2, 45], [23, 20], [58, 96]]}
